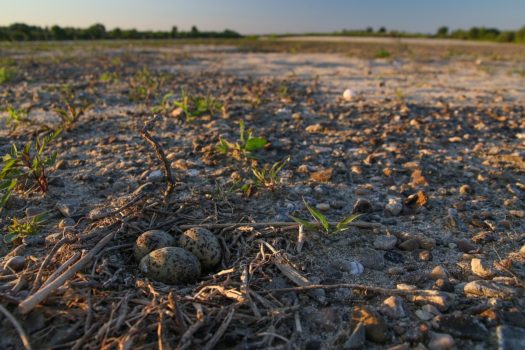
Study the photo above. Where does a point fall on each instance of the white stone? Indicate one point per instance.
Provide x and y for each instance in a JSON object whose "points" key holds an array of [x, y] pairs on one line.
{"points": [[348, 94]]}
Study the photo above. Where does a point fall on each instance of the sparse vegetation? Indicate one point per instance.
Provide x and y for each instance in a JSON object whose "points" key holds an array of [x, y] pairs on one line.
{"points": [[244, 147], [382, 53], [144, 85], [27, 226], [17, 117], [28, 164], [443, 166], [268, 177], [193, 106], [71, 112], [321, 222]]}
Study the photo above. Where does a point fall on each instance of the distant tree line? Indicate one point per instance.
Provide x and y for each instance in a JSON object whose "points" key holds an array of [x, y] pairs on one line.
{"points": [[24, 32], [483, 33], [474, 33]]}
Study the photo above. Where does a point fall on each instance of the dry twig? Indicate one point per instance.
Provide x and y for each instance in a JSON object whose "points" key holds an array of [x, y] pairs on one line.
{"points": [[170, 183], [21, 333]]}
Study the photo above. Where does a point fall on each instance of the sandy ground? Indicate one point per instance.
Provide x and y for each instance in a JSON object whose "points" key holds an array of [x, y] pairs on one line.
{"points": [[457, 81], [430, 153]]}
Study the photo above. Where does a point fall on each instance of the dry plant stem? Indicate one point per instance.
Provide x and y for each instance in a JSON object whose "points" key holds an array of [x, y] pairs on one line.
{"points": [[21, 333], [62, 268], [300, 239], [170, 184], [223, 327], [185, 340], [359, 224], [33, 300], [47, 260], [377, 290]]}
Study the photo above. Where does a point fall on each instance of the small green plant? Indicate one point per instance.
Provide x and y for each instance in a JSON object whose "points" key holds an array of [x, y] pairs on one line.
{"points": [[267, 177], [382, 53], [108, 77], [244, 147], [71, 112], [320, 221], [400, 95], [27, 164], [27, 226], [7, 74], [144, 84], [284, 90], [195, 106], [15, 117]]}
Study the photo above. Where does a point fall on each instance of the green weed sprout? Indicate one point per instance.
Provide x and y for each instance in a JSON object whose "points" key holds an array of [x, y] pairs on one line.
{"points": [[20, 228], [71, 113], [143, 85], [108, 77], [244, 147], [15, 117], [320, 221], [28, 164], [268, 177], [195, 106]]}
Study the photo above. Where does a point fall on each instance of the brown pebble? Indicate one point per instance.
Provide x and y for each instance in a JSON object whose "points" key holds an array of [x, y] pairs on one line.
{"points": [[425, 255], [409, 245]]}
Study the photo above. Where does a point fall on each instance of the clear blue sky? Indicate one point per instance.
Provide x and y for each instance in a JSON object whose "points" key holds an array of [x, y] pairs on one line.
{"points": [[268, 16]]}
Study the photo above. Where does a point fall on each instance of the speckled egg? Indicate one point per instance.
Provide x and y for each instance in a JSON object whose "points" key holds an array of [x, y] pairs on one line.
{"points": [[151, 240], [203, 244], [171, 265]]}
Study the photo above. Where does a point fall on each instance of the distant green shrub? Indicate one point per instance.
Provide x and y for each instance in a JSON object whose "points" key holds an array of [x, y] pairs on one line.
{"points": [[382, 53]]}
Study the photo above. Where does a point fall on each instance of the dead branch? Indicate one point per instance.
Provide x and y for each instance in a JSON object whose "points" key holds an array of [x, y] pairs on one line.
{"points": [[21, 333], [170, 183], [220, 331]]}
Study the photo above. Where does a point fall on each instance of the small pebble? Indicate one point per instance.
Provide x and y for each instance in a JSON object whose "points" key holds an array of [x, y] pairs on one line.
{"points": [[481, 268], [393, 307], [353, 268], [155, 176], [465, 189], [67, 222], [438, 272], [440, 341], [362, 206], [424, 315], [394, 206], [425, 255], [323, 206], [385, 242], [409, 245], [489, 289]]}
